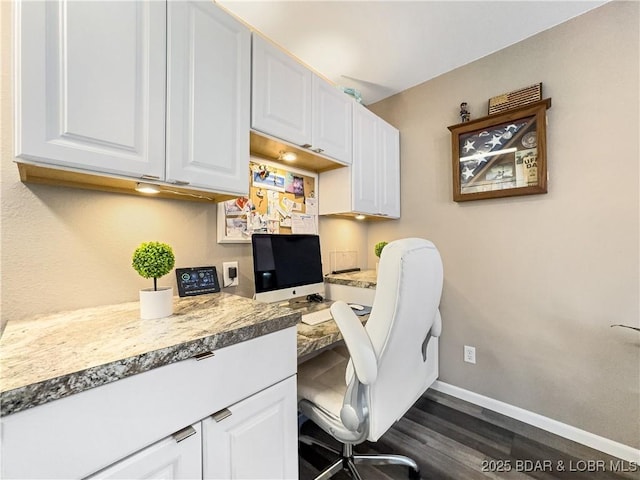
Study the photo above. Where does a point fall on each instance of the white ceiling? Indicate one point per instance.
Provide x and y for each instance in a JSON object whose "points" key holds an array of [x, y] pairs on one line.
{"points": [[384, 47]]}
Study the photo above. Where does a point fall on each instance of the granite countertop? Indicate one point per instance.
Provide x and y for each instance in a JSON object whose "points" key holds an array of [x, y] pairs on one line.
{"points": [[361, 279], [53, 356], [312, 339]]}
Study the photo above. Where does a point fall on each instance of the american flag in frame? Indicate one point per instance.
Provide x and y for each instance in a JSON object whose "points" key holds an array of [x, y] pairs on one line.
{"points": [[500, 155]]}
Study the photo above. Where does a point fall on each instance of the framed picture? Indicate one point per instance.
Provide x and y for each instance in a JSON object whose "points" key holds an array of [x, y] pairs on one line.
{"points": [[501, 155], [281, 199]]}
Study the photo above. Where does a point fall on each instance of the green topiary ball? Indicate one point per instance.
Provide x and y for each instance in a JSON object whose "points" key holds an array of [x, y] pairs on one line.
{"points": [[153, 259], [378, 248]]}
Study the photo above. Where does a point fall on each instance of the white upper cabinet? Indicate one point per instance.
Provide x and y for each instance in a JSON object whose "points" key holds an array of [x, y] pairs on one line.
{"points": [[96, 82], [281, 94], [208, 85], [91, 85], [290, 102], [332, 121], [366, 165], [371, 185], [389, 180]]}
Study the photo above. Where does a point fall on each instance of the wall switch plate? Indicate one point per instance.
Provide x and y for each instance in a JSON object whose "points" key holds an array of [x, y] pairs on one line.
{"points": [[227, 281], [469, 354]]}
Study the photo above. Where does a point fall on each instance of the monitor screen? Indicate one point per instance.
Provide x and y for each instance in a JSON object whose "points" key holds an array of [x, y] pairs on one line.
{"points": [[286, 266]]}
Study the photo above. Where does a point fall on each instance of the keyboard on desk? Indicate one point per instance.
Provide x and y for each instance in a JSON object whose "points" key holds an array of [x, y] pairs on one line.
{"points": [[319, 316]]}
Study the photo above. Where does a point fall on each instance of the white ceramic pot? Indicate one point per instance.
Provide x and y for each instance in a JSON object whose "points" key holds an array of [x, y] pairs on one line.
{"points": [[156, 303]]}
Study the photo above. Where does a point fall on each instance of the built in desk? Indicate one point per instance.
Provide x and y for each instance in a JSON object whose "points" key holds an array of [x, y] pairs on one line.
{"points": [[353, 287], [99, 390]]}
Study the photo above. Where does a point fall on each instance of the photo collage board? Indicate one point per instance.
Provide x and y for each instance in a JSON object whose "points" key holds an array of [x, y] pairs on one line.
{"points": [[281, 199]]}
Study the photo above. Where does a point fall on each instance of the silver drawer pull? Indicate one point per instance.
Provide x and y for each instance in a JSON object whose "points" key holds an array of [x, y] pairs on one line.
{"points": [[184, 434], [204, 355], [179, 182], [221, 414], [149, 177]]}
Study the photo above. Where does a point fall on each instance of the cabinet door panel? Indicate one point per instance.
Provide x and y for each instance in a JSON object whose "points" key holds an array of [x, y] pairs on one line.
{"points": [[365, 166], [332, 121], [208, 98], [167, 460], [91, 85], [281, 94], [259, 439], [389, 141]]}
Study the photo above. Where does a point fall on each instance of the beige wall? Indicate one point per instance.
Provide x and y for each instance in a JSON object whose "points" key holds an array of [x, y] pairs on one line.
{"points": [[534, 283]]}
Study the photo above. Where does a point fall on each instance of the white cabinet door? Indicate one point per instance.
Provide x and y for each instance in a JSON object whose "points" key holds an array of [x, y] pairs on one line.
{"points": [[373, 180], [208, 86], [281, 94], [258, 440], [389, 181], [91, 85], [365, 172], [332, 121], [171, 458]]}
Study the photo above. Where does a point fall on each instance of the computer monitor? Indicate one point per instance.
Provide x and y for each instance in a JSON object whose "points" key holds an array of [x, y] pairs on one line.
{"points": [[286, 266]]}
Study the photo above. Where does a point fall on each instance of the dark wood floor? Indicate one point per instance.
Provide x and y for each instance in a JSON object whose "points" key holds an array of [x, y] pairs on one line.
{"points": [[453, 440]]}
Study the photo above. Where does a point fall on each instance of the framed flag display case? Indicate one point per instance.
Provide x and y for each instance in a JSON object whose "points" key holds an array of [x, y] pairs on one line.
{"points": [[501, 155]]}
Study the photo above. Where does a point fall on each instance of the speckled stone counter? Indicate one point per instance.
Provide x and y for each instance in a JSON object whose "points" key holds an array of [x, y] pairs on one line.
{"points": [[50, 357], [314, 339], [361, 279]]}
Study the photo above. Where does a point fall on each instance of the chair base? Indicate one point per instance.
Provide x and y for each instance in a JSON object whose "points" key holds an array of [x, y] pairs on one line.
{"points": [[347, 460]]}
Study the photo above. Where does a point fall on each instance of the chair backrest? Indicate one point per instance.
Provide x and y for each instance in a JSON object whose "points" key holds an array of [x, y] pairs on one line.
{"points": [[405, 311]]}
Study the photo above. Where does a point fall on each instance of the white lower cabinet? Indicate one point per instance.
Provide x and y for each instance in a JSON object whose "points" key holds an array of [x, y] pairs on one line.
{"points": [[178, 457], [255, 440], [252, 439], [169, 421]]}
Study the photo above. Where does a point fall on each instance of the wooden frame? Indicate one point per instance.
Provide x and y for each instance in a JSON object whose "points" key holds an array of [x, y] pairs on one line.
{"points": [[294, 210], [501, 155]]}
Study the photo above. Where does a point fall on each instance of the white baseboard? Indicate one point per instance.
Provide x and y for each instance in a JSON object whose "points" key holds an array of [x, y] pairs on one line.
{"points": [[583, 437]]}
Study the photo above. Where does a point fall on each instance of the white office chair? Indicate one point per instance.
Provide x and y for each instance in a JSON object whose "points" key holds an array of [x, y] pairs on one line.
{"points": [[390, 364]]}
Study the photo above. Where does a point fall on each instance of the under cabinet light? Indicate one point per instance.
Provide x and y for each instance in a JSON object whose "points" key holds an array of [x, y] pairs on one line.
{"points": [[147, 188], [288, 156], [360, 217]]}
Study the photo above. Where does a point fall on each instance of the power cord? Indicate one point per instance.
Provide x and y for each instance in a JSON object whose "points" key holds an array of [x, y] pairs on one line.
{"points": [[233, 273]]}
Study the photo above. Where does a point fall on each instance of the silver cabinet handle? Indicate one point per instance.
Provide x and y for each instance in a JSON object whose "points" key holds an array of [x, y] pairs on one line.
{"points": [[221, 414], [184, 434], [204, 355], [179, 182], [149, 177], [306, 145], [318, 150]]}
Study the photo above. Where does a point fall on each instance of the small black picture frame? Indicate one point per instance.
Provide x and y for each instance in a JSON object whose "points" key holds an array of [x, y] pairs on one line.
{"points": [[197, 281]]}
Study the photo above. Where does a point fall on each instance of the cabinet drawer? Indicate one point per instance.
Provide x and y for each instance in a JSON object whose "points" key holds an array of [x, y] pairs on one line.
{"points": [[78, 435]]}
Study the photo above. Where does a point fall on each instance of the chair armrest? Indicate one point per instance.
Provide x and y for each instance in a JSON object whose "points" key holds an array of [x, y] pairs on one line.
{"points": [[436, 328], [358, 343]]}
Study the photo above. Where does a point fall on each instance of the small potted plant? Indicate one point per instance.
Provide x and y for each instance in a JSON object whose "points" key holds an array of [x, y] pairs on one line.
{"points": [[154, 260], [377, 249]]}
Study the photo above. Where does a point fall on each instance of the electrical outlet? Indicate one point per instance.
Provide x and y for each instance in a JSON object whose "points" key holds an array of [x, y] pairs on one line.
{"points": [[227, 281], [469, 354]]}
